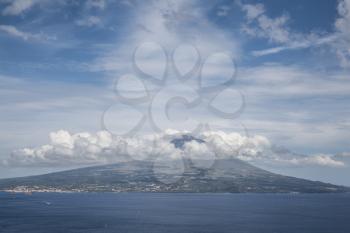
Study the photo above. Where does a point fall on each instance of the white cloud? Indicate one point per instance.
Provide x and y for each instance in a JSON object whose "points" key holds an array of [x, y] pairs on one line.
{"points": [[13, 31], [305, 43], [170, 24], [343, 155], [102, 147], [342, 24], [292, 82], [16, 7], [100, 4], [292, 106], [277, 31], [223, 11], [36, 107], [89, 21], [85, 148], [253, 11], [311, 160], [260, 25], [323, 160]]}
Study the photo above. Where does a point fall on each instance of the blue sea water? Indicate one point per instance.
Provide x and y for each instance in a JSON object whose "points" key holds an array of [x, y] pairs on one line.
{"points": [[170, 213]]}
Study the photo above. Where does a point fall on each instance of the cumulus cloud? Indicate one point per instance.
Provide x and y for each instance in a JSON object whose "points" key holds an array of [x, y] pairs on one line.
{"points": [[65, 148], [86, 148], [102, 147]]}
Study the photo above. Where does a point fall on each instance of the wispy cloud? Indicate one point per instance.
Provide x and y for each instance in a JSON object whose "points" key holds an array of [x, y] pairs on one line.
{"points": [[276, 30], [260, 25], [170, 24], [293, 105], [307, 43], [342, 45], [13, 31], [99, 4], [89, 21], [223, 10], [16, 7]]}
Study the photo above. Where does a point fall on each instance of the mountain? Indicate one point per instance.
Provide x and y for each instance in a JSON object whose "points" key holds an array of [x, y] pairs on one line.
{"points": [[231, 175], [226, 175]]}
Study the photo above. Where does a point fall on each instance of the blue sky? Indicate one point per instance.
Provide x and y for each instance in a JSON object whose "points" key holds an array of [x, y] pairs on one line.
{"points": [[59, 61]]}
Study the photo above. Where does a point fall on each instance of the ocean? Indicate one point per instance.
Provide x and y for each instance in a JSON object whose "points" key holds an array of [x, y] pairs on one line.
{"points": [[174, 213]]}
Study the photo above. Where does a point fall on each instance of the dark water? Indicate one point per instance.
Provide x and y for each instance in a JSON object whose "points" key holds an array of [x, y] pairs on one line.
{"points": [[180, 213]]}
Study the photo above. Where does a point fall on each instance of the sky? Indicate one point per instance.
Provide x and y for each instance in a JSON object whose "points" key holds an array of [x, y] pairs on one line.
{"points": [[269, 81]]}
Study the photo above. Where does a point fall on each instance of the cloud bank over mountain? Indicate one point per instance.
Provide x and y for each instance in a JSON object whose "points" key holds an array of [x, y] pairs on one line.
{"points": [[102, 147]]}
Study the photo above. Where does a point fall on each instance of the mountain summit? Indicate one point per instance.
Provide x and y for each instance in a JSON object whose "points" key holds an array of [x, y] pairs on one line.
{"points": [[180, 141]]}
